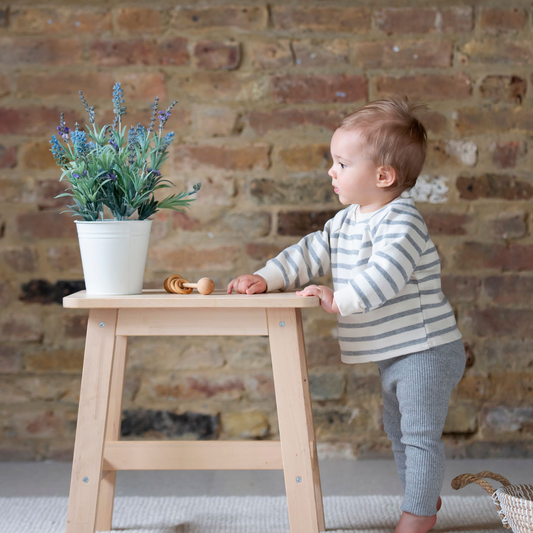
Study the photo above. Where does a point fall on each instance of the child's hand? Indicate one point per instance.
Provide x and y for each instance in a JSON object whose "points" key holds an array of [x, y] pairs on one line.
{"points": [[324, 293], [248, 284]]}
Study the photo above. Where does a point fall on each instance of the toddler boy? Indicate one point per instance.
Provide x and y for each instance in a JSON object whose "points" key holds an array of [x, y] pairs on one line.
{"points": [[387, 291]]}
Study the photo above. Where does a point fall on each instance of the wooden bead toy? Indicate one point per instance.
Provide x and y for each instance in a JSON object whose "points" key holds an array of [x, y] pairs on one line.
{"points": [[178, 285]]}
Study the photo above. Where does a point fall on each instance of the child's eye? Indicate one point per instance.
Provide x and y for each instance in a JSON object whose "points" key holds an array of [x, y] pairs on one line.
{"points": [[343, 166]]}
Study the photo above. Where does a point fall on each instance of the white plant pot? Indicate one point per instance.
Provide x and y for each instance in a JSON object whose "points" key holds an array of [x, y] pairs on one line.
{"points": [[113, 255]]}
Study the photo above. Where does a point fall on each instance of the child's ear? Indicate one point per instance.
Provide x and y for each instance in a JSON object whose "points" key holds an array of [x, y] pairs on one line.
{"points": [[386, 176]]}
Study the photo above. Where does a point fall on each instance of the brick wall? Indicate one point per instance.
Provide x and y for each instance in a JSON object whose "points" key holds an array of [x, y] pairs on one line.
{"points": [[261, 88]]}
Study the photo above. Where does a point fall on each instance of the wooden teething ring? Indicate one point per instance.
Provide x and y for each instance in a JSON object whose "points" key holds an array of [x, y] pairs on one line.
{"points": [[178, 285]]}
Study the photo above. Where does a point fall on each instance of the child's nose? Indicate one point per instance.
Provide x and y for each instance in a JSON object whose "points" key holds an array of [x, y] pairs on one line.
{"points": [[331, 173]]}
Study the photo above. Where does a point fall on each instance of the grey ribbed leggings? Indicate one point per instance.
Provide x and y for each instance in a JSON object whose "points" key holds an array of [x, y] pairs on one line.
{"points": [[416, 392]]}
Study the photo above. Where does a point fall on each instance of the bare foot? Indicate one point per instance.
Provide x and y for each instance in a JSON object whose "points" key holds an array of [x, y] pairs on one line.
{"points": [[411, 523]]}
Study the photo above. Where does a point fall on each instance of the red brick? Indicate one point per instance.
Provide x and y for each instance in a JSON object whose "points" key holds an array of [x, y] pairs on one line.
{"points": [[215, 121], [19, 258], [496, 321], [301, 158], [185, 222], [17, 327], [262, 251], [37, 155], [333, 19], [506, 154], [40, 425], [15, 190], [435, 122], [424, 20], [497, 21], [38, 21], [503, 89], [509, 290], [190, 258], [512, 257], [476, 121], [403, 54], [302, 222], [212, 55], [273, 54], [33, 120], [46, 225], [40, 51], [447, 223], [47, 190], [232, 16], [494, 186], [311, 53], [459, 288], [508, 225], [8, 156], [5, 86], [429, 86], [122, 52], [75, 326], [263, 121], [137, 19], [227, 157], [319, 89], [497, 52]]}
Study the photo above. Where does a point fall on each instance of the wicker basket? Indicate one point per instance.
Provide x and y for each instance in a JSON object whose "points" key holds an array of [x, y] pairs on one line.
{"points": [[513, 502]]}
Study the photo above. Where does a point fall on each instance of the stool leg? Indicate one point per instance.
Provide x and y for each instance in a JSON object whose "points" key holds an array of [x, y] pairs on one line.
{"points": [[92, 413], [293, 400], [104, 515]]}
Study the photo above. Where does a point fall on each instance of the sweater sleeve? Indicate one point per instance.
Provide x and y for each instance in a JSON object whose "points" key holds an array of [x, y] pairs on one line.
{"points": [[300, 263], [398, 243]]}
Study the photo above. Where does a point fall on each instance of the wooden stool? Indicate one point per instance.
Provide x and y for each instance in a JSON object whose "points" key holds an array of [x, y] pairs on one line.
{"points": [[98, 452]]}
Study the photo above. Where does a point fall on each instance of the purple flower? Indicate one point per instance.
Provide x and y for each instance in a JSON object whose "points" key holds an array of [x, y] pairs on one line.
{"points": [[114, 144], [153, 171]]}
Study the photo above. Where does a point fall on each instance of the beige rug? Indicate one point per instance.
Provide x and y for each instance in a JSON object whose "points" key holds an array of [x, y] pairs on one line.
{"points": [[254, 514]]}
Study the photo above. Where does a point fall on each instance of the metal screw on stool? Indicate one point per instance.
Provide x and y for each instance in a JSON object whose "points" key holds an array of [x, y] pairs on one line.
{"points": [[102, 324], [86, 480], [298, 479], [282, 324]]}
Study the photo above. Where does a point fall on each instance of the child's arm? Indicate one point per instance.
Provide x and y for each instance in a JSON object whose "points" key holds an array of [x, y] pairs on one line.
{"points": [[398, 244]]}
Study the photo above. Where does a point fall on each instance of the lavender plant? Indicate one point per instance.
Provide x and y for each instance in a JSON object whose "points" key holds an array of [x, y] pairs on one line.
{"points": [[104, 167]]}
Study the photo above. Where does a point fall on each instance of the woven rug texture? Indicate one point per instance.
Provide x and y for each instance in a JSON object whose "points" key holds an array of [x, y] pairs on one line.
{"points": [[252, 514]]}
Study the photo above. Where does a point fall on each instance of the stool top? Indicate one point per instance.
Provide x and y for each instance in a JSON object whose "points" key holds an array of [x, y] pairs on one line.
{"points": [[159, 298]]}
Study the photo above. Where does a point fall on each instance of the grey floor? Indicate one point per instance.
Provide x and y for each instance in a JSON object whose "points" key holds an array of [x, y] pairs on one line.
{"points": [[346, 478]]}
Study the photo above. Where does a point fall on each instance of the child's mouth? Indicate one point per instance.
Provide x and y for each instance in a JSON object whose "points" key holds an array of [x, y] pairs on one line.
{"points": [[336, 190]]}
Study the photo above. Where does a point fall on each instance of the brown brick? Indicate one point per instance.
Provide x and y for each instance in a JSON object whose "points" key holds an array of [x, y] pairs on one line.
{"points": [[262, 251], [47, 190], [424, 20], [497, 52], [170, 51], [139, 20], [20, 258], [64, 258], [495, 354], [18, 327], [311, 53], [430, 86], [494, 186], [54, 361], [190, 258], [307, 157], [46, 225], [213, 55], [403, 54], [497, 21], [459, 288], [265, 191], [5, 86], [75, 326], [319, 89], [302, 222], [214, 121], [447, 223], [248, 157], [474, 121], [503, 88], [508, 226], [461, 418], [496, 321], [37, 156], [67, 20], [507, 419], [435, 122], [40, 51], [506, 154], [8, 156], [263, 121], [274, 54], [333, 19], [509, 290], [38, 425], [232, 16], [15, 190], [512, 257], [33, 120], [441, 153], [10, 359]]}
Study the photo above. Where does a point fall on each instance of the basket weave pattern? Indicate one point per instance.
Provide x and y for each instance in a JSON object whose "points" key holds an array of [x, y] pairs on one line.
{"points": [[514, 503]]}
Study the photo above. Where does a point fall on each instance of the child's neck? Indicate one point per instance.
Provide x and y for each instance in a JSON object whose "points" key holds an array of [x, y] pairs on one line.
{"points": [[379, 203]]}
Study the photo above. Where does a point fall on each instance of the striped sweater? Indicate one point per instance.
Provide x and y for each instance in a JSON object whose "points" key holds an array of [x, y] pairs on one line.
{"points": [[386, 277]]}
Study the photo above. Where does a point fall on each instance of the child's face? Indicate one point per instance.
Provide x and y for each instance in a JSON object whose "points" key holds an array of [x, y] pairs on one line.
{"points": [[353, 175]]}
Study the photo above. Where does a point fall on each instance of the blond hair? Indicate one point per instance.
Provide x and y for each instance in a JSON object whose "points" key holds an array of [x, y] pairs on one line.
{"points": [[393, 136]]}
